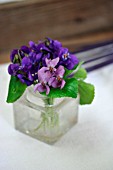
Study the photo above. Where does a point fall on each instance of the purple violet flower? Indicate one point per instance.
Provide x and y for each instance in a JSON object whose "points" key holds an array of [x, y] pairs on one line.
{"points": [[13, 68], [32, 45], [26, 63], [24, 79], [35, 58], [13, 54], [38, 47], [66, 59], [40, 50], [44, 59], [25, 49], [53, 44]]}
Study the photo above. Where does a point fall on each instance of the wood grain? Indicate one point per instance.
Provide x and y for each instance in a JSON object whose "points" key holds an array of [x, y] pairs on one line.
{"points": [[73, 43], [74, 22]]}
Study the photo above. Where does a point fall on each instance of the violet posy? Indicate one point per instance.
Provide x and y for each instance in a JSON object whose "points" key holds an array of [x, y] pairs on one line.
{"points": [[51, 69]]}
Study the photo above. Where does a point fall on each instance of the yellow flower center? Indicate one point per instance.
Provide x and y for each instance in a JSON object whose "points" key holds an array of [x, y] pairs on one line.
{"points": [[65, 55], [51, 69], [59, 78]]}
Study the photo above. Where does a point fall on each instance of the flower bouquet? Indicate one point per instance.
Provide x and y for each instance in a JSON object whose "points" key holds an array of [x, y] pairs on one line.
{"points": [[46, 86]]}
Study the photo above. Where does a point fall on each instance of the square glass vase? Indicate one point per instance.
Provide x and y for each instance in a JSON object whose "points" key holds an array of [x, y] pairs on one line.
{"points": [[44, 118]]}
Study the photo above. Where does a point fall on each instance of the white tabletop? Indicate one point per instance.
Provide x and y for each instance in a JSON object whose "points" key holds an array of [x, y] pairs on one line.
{"points": [[87, 146]]}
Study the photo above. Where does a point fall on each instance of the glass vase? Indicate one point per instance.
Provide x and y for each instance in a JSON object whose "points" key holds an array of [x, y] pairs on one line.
{"points": [[44, 118]]}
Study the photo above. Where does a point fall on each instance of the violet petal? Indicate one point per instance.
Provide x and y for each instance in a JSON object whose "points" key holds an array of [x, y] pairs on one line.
{"points": [[44, 75], [13, 68], [62, 84], [26, 63], [13, 53], [25, 49], [52, 63], [51, 80], [47, 89], [60, 71]]}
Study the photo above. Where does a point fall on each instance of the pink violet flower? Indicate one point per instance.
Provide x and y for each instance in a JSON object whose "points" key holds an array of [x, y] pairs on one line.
{"points": [[41, 87], [51, 64], [43, 77], [57, 80], [50, 76]]}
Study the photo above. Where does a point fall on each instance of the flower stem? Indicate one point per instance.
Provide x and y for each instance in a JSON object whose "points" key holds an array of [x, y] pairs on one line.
{"points": [[49, 117]]}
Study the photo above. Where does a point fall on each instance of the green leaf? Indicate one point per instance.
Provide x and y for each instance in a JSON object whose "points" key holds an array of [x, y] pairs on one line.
{"points": [[16, 89], [68, 72], [86, 92], [81, 74], [70, 90]]}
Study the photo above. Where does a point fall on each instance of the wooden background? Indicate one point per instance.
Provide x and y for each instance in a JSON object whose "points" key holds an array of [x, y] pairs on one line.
{"points": [[74, 22]]}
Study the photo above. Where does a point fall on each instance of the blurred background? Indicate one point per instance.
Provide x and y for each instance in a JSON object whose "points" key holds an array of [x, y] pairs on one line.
{"points": [[76, 23]]}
